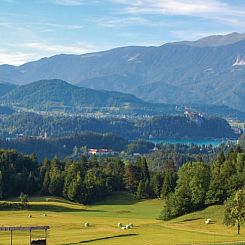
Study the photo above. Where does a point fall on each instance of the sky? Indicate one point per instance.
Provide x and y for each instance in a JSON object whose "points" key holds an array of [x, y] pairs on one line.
{"points": [[32, 29]]}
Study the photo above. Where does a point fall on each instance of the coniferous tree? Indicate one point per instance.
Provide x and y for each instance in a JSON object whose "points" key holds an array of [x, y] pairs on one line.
{"points": [[56, 178], [131, 178], [75, 188], [156, 184], [140, 189], [217, 192]]}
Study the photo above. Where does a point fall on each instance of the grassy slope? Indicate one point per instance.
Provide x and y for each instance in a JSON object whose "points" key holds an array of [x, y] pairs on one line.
{"points": [[67, 223]]}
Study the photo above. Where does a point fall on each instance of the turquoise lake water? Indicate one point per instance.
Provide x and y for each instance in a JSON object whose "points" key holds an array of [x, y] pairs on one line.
{"points": [[214, 142]]}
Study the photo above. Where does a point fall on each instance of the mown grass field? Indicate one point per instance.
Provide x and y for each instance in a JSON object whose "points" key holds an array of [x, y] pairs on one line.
{"points": [[67, 220]]}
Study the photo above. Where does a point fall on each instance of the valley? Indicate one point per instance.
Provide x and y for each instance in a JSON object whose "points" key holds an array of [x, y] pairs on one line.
{"points": [[122, 122]]}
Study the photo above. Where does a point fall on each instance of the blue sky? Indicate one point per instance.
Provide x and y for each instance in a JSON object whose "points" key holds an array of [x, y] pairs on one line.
{"points": [[31, 29]]}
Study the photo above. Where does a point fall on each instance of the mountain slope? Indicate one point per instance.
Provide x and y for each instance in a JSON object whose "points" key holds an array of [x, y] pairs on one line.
{"points": [[5, 88], [58, 94], [208, 71]]}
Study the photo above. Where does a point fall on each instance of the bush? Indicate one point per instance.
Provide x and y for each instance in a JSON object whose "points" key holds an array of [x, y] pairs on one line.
{"points": [[172, 207]]}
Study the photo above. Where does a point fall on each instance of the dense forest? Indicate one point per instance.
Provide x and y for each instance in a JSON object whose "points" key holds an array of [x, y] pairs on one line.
{"points": [[76, 145], [185, 187], [181, 153], [164, 127], [59, 96], [6, 110], [81, 180], [64, 146]]}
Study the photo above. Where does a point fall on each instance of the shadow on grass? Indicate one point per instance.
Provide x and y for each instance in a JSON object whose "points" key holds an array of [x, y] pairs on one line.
{"points": [[55, 199], [122, 211], [118, 198], [54, 208], [193, 219], [100, 239]]}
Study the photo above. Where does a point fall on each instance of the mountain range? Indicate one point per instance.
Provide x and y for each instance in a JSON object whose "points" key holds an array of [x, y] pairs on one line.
{"points": [[207, 71], [59, 96]]}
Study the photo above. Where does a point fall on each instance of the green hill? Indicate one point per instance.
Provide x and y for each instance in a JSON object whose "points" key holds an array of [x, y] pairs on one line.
{"points": [[59, 95]]}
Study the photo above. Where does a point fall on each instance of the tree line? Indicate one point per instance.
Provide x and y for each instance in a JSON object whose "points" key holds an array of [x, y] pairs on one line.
{"points": [[200, 184], [84, 180]]}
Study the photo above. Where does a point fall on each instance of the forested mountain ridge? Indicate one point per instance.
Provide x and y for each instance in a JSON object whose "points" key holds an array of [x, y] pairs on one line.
{"points": [[58, 94], [209, 71], [5, 88], [162, 127]]}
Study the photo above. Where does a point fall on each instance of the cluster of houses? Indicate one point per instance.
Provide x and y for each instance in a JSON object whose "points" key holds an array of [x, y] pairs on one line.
{"points": [[101, 152]]}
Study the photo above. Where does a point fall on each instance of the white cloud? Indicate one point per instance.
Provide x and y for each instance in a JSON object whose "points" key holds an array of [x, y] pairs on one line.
{"points": [[75, 2], [42, 26], [69, 2], [6, 57], [51, 49], [115, 22], [51, 27], [37, 50], [199, 8]]}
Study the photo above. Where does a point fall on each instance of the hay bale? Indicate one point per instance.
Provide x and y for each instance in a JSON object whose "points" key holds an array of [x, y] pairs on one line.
{"points": [[123, 228], [207, 222], [131, 225], [119, 225], [128, 227], [45, 215], [86, 225], [30, 216]]}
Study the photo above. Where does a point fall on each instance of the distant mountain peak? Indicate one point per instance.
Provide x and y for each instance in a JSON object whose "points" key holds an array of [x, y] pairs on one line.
{"points": [[219, 40], [215, 40]]}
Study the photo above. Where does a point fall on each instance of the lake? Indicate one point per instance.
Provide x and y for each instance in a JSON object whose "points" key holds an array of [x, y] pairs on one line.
{"points": [[213, 142]]}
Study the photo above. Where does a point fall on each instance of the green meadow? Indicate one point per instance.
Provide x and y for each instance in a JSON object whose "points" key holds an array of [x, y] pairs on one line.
{"points": [[67, 220]]}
